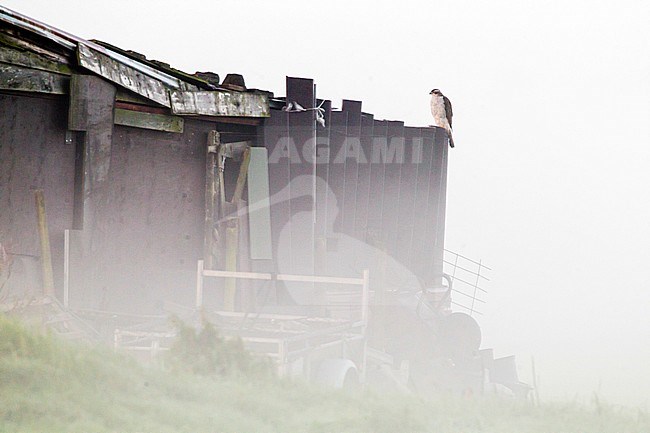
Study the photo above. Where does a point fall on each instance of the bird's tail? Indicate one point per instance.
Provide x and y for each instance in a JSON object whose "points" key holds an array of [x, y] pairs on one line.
{"points": [[451, 139]]}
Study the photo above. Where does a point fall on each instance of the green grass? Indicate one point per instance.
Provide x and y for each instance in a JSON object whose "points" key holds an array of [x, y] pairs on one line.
{"points": [[51, 386]]}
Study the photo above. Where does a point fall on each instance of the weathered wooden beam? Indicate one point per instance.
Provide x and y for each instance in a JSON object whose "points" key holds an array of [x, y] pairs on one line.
{"points": [[232, 251], [157, 122], [31, 60], [235, 149], [125, 96], [220, 103], [92, 101], [123, 75], [211, 197], [32, 80], [141, 108], [243, 174], [24, 45], [44, 236]]}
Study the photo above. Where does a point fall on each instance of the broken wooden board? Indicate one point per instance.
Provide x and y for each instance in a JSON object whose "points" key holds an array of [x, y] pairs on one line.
{"points": [[220, 103], [123, 75], [32, 80], [31, 60], [158, 122]]}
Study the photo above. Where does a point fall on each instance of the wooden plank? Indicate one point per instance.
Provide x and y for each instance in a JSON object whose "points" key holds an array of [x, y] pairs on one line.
{"points": [[240, 275], [241, 178], [232, 249], [41, 29], [220, 103], [211, 199], [123, 75], [320, 279], [125, 96], [22, 79], [141, 108], [157, 122], [31, 60], [23, 45], [46, 251]]}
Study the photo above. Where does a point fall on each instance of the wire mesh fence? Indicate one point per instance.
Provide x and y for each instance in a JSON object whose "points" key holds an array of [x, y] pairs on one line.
{"points": [[469, 278]]}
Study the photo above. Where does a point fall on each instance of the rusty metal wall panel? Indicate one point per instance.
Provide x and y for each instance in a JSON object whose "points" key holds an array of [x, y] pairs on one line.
{"points": [[34, 154]]}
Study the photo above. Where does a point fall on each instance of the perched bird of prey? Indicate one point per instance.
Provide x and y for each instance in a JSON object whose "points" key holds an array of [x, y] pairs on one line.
{"points": [[442, 112]]}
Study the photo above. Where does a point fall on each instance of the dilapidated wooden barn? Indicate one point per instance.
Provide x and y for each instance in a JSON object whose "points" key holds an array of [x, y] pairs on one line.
{"points": [[146, 169]]}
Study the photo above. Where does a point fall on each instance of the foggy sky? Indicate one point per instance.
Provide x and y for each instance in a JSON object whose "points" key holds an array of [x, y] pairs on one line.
{"points": [[548, 181]]}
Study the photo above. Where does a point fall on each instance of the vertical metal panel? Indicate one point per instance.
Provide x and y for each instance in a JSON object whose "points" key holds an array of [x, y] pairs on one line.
{"points": [[387, 196], [322, 189], [377, 181], [336, 180], [363, 182], [406, 195], [442, 145], [435, 208], [420, 247], [276, 141], [302, 129], [350, 160], [394, 160]]}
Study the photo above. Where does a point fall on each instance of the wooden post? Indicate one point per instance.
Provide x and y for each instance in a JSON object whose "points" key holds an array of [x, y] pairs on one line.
{"points": [[46, 253], [365, 298], [66, 268], [211, 191], [232, 244], [199, 284], [241, 179]]}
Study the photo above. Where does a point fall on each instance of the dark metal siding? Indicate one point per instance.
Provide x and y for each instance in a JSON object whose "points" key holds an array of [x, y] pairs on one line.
{"points": [[389, 197]]}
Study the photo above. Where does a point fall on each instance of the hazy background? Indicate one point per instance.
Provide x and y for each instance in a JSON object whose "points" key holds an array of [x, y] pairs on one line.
{"points": [[548, 183]]}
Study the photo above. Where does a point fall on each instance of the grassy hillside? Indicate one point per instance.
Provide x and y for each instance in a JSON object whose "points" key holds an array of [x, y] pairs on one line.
{"points": [[50, 386]]}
